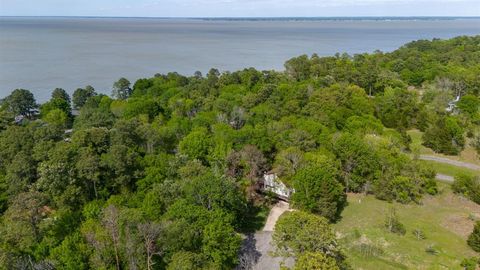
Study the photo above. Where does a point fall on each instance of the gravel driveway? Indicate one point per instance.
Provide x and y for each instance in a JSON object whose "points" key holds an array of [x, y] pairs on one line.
{"points": [[257, 247], [451, 162]]}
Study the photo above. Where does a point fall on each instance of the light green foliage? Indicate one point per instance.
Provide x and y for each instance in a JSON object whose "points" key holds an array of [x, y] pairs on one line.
{"points": [[404, 189], [467, 185], [469, 263], [56, 117], [359, 161], [221, 243], [184, 260], [72, 253], [297, 232], [55, 104], [317, 190], [470, 105], [315, 261], [366, 124], [196, 144], [288, 162]]}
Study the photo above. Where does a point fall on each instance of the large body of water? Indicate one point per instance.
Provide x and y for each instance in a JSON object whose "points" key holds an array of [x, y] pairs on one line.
{"points": [[41, 54]]}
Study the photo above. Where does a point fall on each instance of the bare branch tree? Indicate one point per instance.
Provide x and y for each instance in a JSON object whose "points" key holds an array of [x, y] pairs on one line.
{"points": [[150, 232]]}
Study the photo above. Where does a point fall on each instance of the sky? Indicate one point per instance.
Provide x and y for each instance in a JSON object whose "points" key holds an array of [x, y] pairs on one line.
{"points": [[239, 8]]}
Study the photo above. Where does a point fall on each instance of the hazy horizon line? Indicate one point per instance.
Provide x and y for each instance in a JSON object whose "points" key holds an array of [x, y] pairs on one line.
{"points": [[244, 17]]}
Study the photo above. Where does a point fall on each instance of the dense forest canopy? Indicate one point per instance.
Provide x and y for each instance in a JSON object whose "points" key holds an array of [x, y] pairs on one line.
{"points": [[165, 174]]}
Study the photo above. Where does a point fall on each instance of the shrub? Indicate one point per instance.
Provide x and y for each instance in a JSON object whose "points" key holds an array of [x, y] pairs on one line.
{"points": [[419, 234], [392, 223], [474, 239], [468, 186], [469, 263], [315, 260], [430, 249], [445, 136]]}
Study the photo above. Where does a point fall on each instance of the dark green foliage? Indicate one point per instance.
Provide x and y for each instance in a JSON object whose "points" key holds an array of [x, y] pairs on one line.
{"points": [[121, 89], [445, 136], [397, 108], [474, 238], [81, 95], [20, 102], [61, 94], [419, 234]]}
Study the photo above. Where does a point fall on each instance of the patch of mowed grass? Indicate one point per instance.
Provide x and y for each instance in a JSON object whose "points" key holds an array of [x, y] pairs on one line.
{"points": [[448, 169], [363, 227], [416, 144], [467, 155]]}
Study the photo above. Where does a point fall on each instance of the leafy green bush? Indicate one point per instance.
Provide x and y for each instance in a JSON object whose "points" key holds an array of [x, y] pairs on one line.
{"points": [[469, 263], [474, 238], [393, 224], [468, 186]]}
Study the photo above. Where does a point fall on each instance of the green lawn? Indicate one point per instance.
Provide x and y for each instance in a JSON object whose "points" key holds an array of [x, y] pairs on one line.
{"points": [[417, 141], [469, 154], [445, 219], [448, 169]]}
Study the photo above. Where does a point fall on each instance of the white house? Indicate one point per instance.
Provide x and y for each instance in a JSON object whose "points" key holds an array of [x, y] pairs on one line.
{"points": [[272, 183], [452, 105]]}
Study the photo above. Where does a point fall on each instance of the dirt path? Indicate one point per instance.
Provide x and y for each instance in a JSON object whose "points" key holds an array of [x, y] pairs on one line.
{"points": [[275, 213], [451, 162], [445, 178]]}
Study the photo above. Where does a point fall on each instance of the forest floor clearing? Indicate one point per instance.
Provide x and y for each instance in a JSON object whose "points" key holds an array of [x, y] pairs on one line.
{"points": [[445, 221]]}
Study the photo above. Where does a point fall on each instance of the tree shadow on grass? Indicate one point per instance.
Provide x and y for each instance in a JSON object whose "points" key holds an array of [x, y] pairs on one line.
{"points": [[254, 219], [248, 255]]}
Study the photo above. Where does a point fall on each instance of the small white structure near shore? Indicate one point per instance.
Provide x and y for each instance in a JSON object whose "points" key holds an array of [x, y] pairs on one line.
{"points": [[272, 183]]}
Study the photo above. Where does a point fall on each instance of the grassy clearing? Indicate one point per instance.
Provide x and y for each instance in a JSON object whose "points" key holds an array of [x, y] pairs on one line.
{"points": [[445, 219], [448, 169], [467, 155]]}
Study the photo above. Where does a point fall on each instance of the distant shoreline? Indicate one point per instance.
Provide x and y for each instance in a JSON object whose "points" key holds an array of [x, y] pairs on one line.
{"points": [[362, 18]]}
